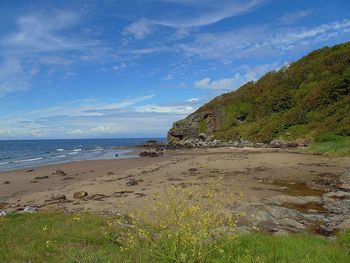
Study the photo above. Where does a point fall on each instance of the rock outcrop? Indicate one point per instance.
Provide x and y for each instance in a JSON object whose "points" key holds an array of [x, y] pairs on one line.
{"points": [[203, 123]]}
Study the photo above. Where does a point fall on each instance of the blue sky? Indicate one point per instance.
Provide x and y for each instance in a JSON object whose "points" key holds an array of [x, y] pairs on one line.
{"points": [[105, 69]]}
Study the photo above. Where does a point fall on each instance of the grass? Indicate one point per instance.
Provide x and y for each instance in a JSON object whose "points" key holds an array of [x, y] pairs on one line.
{"points": [[331, 145], [55, 236], [177, 225]]}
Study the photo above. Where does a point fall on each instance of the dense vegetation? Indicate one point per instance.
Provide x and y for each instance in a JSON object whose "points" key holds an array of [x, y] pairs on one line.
{"points": [[63, 237], [305, 100]]}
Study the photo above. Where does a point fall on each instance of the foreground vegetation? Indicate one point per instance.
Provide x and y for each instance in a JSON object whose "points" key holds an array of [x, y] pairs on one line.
{"points": [[61, 237], [180, 225]]}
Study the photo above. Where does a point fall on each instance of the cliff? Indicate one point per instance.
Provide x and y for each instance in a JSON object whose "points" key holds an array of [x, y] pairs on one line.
{"points": [[307, 99]]}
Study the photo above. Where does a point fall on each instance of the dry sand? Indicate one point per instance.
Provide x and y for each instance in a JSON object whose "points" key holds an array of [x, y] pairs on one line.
{"points": [[256, 173]]}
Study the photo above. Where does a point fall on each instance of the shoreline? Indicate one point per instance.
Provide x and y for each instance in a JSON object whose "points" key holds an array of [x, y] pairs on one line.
{"points": [[128, 152], [275, 180]]}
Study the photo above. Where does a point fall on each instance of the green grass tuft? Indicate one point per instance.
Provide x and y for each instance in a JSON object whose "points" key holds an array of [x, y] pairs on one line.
{"points": [[333, 145]]}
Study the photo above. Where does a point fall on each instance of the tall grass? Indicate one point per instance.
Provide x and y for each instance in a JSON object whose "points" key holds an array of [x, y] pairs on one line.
{"points": [[331, 145], [180, 225]]}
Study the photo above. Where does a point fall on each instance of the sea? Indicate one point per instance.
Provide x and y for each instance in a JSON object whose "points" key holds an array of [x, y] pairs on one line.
{"points": [[18, 154]]}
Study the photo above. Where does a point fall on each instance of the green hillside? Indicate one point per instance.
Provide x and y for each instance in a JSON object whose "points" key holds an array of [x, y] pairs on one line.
{"points": [[306, 100]]}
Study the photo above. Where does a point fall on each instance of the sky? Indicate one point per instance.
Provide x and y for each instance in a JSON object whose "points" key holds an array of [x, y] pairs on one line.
{"points": [[122, 69]]}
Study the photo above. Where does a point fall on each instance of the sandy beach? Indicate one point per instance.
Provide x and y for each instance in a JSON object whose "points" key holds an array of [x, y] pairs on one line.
{"points": [[122, 185]]}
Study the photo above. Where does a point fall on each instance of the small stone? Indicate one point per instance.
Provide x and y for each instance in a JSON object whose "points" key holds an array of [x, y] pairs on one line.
{"points": [[326, 231], [80, 195], [6, 182], [202, 137], [41, 177], [97, 197], [3, 213], [60, 173], [34, 181], [57, 198], [122, 193], [131, 182], [148, 154], [140, 195], [144, 154], [30, 209], [192, 170], [338, 194], [153, 154], [68, 178]]}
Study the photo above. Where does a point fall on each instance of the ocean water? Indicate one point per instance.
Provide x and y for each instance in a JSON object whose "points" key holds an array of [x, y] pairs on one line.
{"points": [[30, 153]]}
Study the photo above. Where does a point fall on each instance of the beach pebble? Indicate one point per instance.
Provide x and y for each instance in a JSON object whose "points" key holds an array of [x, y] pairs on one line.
{"points": [[98, 197], [30, 209], [60, 173], [131, 182], [34, 181], [80, 194], [57, 198], [3, 213], [41, 177]]}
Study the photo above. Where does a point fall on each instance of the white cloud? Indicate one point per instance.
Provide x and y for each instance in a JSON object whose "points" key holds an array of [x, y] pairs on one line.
{"points": [[291, 18], [75, 132], [210, 12], [238, 79], [221, 84], [203, 83], [6, 132], [41, 40], [39, 33], [169, 77], [85, 108], [101, 129], [193, 100], [205, 13], [183, 110], [120, 67], [139, 29], [262, 41]]}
